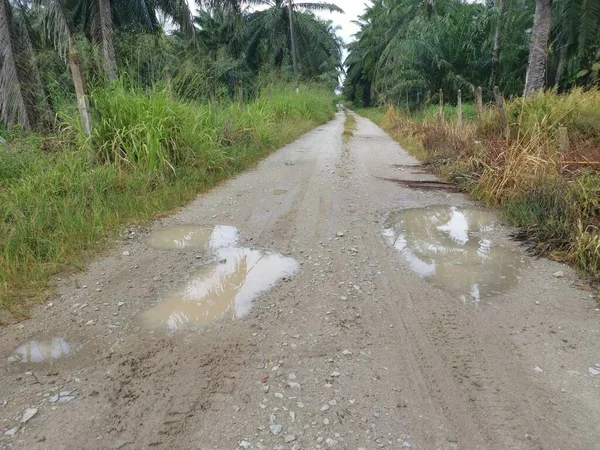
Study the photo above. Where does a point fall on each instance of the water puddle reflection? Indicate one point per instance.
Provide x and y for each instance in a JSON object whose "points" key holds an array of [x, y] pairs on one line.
{"points": [[36, 351], [224, 289], [190, 236], [453, 248]]}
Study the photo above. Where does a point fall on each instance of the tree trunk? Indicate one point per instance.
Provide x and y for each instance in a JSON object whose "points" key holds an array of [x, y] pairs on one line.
{"points": [[104, 34], [441, 107], [22, 98], [83, 104], [538, 52], [293, 41], [562, 60], [496, 48], [459, 118]]}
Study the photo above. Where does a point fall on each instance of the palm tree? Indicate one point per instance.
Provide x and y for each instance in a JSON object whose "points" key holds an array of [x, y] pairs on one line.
{"points": [[538, 52], [287, 29], [22, 98], [575, 39], [65, 18]]}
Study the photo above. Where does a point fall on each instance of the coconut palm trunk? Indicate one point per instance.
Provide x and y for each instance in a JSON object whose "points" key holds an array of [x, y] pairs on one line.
{"points": [[496, 48], [538, 52], [293, 42], [22, 97], [103, 33], [83, 104]]}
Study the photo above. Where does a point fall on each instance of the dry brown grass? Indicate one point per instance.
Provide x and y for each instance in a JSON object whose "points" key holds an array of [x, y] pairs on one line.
{"points": [[546, 184]]}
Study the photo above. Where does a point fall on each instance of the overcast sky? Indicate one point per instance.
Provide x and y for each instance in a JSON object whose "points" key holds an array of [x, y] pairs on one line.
{"points": [[353, 9]]}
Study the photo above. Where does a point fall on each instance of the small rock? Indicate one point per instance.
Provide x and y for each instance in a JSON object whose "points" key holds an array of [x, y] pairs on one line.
{"points": [[28, 415], [346, 352], [538, 369], [245, 444], [126, 253], [14, 359], [324, 407], [335, 374], [278, 395], [320, 439], [537, 302], [276, 429], [325, 421], [294, 385], [343, 297], [120, 304], [292, 416], [11, 432], [377, 415], [291, 376], [406, 444], [340, 234], [331, 442], [558, 274], [289, 438], [593, 371], [90, 322]]}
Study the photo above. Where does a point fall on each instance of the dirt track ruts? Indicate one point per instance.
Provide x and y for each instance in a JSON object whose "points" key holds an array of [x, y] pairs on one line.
{"points": [[426, 371]]}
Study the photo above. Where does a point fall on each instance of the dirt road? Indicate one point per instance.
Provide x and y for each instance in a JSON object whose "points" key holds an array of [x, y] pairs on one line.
{"points": [[387, 313]]}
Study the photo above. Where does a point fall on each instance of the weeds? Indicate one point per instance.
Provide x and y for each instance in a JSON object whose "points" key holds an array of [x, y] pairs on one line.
{"points": [[149, 154], [349, 127]]}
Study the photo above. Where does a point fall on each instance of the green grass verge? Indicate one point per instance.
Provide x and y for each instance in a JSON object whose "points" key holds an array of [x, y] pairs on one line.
{"points": [[349, 127], [64, 198]]}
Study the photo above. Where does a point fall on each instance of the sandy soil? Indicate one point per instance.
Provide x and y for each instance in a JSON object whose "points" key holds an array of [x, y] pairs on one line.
{"points": [[355, 351]]}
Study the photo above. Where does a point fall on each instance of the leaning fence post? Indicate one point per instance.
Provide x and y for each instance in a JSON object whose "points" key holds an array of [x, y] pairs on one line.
{"points": [[500, 103], [441, 107], [459, 111]]}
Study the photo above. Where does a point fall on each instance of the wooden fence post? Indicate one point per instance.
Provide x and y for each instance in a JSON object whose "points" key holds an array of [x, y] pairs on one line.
{"points": [[563, 138], [459, 111], [500, 103], [211, 98], [478, 102], [441, 107], [241, 93]]}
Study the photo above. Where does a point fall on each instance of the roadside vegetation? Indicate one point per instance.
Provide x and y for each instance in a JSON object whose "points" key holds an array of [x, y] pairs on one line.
{"points": [[106, 119], [525, 134], [349, 127]]}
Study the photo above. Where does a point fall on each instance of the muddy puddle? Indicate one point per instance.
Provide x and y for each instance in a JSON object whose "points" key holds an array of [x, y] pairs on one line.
{"points": [[37, 351], [190, 236], [454, 248], [224, 289], [279, 191]]}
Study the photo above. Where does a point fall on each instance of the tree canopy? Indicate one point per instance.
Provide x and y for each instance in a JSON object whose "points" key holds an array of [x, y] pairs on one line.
{"points": [[407, 50]]}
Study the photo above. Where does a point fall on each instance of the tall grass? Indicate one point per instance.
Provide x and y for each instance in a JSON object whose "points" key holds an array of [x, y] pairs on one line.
{"points": [[543, 172], [63, 197]]}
